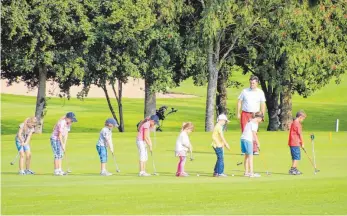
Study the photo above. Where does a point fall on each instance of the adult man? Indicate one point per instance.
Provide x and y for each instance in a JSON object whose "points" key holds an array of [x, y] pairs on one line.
{"points": [[251, 100]]}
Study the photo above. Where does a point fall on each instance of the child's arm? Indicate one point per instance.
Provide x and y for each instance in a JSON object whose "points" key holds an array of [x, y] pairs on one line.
{"points": [[27, 140], [255, 137], [301, 140], [20, 131], [147, 139], [224, 141], [109, 144]]}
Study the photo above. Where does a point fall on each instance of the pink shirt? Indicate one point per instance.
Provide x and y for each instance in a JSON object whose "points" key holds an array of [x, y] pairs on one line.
{"points": [[141, 133], [60, 127]]}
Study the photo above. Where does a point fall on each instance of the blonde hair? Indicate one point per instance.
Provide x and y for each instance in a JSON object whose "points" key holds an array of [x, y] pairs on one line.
{"points": [[31, 120], [187, 125]]}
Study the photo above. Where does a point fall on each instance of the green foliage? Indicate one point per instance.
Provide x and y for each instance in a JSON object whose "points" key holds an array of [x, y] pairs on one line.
{"points": [[37, 33]]}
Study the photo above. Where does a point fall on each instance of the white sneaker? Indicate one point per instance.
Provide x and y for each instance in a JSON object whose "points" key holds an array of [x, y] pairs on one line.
{"points": [[58, 173], [144, 174], [21, 172], [246, 174], [255, 153], [105, 173], [254, 175], [222, 175], [29, 172]]}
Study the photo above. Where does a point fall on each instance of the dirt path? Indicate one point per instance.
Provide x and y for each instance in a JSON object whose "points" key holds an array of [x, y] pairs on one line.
{"points": [[133, 89]]}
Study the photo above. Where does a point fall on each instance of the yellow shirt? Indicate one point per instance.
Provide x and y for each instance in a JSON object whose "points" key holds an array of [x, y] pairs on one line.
{"points": [[217, 136]]}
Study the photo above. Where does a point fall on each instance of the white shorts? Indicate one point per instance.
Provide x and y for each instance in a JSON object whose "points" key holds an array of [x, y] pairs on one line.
{"points": [[142, 147]]}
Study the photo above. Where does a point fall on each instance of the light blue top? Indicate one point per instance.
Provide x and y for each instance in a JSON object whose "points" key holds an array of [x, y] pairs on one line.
{"points": [[105, 134]]}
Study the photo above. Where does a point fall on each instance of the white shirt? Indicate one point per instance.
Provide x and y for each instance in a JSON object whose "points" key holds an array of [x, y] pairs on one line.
{"points": [[251, 99], [248, 131], [105, 135], [181, 142]]}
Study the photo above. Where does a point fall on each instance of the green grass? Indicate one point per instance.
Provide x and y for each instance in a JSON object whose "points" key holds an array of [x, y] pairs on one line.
{"points": [[85, 192]]}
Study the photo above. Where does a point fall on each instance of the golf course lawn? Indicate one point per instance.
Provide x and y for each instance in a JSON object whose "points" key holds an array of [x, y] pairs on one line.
{"points": [[85, 192]]}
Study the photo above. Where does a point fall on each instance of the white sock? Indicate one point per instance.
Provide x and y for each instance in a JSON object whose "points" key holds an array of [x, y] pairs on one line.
{"points": [[103, 171], [56, 170]]}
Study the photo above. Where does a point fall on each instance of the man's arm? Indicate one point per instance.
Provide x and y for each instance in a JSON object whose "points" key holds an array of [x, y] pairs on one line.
{"points": [[239, 104], [262, 107]]}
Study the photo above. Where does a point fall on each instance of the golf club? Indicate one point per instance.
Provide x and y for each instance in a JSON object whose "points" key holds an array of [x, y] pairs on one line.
{"points": [[115, 162], [67, 163], [313, 154], [155, 170], [315, 169], [239, 163], [264, 163], [14, 160], [191, 156]]}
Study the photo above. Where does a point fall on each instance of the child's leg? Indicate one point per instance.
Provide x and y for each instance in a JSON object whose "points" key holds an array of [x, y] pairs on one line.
{"points": [[294, 163], [250, 162], [183, 163], [180, 168], [103, 167], [246, 165], [21, 159], [220, 163], [28, 159], [216, 165]]}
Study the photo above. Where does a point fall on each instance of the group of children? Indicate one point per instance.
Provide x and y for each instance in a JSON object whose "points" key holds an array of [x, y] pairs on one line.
{"points": [[143, 140]]}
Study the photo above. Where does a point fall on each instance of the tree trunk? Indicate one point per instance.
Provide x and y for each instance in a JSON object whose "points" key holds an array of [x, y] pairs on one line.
{"points": [[41, 98], [272, 97], [150, 100], [110, 104], [211, 88], [222, 94], [286, 117], [119, 96]]}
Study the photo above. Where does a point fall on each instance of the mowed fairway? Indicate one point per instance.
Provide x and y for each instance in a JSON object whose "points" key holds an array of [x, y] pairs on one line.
{"points": [[85, 192]]}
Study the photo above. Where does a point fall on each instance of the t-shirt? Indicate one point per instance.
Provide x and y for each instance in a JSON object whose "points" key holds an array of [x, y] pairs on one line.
{"points": [[25, 132], [250, 127], [61, 127], [105, 134], [141, 133], [251, 99], [217, 136], [181, 142], [294, 134]]}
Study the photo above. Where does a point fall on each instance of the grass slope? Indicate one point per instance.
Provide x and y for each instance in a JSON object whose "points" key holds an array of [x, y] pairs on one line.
{"points": [[85, 192]]}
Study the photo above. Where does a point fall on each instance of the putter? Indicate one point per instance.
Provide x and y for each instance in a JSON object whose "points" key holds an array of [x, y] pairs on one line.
{"points": [[191, 156], [314, 155], [155, 170], [315, 169], [67, 162], [14, 160], [115, 162], [264, 163], [239, 163]]}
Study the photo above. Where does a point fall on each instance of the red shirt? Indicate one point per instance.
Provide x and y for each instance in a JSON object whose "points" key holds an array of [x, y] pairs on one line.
{"points": [[295, 138]]}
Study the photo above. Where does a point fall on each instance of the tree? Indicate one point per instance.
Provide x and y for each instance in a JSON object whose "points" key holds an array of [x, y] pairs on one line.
{"points": [[43, 40], [114, 50], [300, 50]]}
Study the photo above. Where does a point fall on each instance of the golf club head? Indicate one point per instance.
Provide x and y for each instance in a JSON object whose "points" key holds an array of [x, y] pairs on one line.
{"points": [[68, 171], [239, 163], [268, 173], [191, 159], [118, 171], [156, 174], [12, 163]]}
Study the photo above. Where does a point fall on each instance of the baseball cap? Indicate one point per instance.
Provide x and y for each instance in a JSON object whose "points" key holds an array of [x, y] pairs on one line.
{"points": [[112, 121], [222, 117], [71, 116], [155, 118]]}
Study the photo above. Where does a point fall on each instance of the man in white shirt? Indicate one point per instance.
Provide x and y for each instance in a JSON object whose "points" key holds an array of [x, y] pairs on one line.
{"points": [[251, 100]]}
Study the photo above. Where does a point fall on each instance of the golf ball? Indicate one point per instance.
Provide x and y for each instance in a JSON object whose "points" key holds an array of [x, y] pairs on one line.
{"points": [[232, 175], [197, 175]]}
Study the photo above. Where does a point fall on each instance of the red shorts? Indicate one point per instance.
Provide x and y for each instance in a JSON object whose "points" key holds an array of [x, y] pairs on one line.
{"points": [[245, 117]]}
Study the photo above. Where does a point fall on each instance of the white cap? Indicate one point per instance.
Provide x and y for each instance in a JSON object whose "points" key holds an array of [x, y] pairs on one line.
{"points": [[222, 117]]}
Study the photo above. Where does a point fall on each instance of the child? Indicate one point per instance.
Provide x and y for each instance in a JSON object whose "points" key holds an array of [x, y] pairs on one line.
{"points": [[183, 145], [105, 140], [295, 141], [218, 143], [58, 140], [248, 137], [23, 137], [143, 138]]}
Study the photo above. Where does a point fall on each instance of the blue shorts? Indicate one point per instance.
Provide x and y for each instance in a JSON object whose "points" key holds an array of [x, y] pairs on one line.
{"points": [[57, 149], [295, 152], [246, 147], [20, 147], [102, 153]]}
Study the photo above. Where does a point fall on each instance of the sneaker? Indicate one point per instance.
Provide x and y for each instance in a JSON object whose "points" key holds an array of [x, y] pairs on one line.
{"points": [[29, 172], [254, 175], [58, 173], [106, 173], [215, 175], [144, 174], [246, 174], [297, 172], [21, 172], [292, 171], [255, 153], [182, 174], [222, 175]]}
